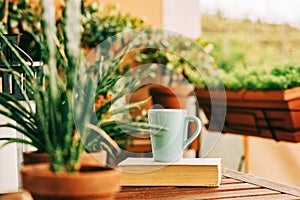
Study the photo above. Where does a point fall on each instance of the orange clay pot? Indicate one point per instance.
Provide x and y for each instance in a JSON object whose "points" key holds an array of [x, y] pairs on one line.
{"points": [[92, 182], [267, 114]]}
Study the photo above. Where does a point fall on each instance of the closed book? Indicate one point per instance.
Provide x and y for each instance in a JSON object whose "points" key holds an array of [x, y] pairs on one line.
{"points": [[204, 172]]}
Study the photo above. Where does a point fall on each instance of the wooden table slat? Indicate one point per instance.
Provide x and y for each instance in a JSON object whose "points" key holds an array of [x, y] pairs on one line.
{"points": [[145, 188], [221, 195], [178, 191], [229, 181], [288, 189], [267, 197], [225, 187]]}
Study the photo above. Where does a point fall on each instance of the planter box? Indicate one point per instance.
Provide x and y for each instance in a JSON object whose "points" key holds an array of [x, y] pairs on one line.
{"points": [[269, 114]]}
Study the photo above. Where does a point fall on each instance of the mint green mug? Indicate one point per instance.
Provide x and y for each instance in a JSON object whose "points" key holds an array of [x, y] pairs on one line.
{"points": [[169, 142]]}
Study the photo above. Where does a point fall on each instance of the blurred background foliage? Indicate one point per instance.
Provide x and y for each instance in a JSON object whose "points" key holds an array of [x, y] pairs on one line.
{"points": [[254, 55], [99, 22], [247, 55]]}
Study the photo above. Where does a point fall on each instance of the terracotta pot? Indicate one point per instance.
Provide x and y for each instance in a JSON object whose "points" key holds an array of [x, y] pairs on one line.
{"points": [[94, 158], [169, 97], [33, 157], [269, 114], [92, 182]]}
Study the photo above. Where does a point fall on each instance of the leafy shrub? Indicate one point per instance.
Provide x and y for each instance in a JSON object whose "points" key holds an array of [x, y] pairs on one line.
{"points": [[100, 22]]}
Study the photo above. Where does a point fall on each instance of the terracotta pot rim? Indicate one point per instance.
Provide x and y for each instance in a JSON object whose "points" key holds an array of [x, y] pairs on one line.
{"points": [[272, 95], [44, 168], [33, 151]]}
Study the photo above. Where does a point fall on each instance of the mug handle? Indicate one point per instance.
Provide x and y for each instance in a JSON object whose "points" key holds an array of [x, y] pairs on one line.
{"points": [[188, 141]]}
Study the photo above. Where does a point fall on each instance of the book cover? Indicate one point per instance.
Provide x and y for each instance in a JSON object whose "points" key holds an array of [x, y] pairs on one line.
{"points": [[204, 172]]}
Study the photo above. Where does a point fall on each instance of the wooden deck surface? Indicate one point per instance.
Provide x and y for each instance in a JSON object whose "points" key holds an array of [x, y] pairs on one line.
{"points": [[234, 185]]}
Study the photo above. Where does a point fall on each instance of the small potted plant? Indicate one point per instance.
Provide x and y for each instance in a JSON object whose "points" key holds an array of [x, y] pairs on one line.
{"points": [[60, 121]]}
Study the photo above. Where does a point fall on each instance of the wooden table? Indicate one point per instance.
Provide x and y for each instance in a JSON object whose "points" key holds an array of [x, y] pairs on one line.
{"points": [[235, 185]]}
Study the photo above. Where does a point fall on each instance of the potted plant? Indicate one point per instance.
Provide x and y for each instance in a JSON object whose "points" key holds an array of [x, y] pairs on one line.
{"points": [[259, 103], [32, 138], [93, 18], [54, 124]]}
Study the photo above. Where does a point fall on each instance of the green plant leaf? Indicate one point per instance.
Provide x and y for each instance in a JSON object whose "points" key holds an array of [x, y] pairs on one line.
{"points": [[104, 135], [125, 108], [14, 140]]}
